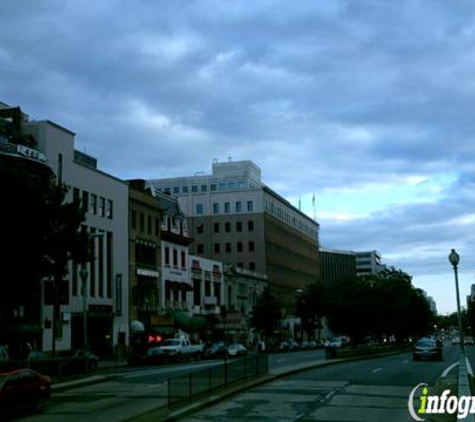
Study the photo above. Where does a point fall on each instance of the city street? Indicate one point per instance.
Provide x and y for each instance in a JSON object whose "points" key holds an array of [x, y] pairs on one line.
{"points": [[369, 390], [365, 390]]}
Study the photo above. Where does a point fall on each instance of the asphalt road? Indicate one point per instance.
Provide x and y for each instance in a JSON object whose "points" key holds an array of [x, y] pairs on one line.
{"points": [[370, 390]]}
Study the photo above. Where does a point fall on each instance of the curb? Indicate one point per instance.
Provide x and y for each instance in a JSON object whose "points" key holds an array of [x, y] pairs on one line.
{"points": [[94, 379]]}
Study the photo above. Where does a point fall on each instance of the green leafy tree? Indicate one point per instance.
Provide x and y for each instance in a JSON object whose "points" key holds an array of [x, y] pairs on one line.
{"points": [[266, 314]]}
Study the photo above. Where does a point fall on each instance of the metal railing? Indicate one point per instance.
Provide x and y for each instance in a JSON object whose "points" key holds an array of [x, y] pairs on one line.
{"points": [[187, 387]]}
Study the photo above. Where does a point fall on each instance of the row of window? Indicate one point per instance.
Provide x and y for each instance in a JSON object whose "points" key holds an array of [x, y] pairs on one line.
{"points": [[145, 223], [239, 247], [171, 257], [204, 187], [217, 227], [226, 207], [96, 205], [278, 212]]}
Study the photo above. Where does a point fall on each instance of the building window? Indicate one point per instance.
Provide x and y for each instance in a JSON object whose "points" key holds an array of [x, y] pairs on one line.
{"points": [[134, 219], [196, 292], [93, 204], [176, 189], [157, 227], [110, 209], [102, 206], [215, 208], [250, 226], [149, 224], [239, 246], [199, 209], [227, 227], [85, 200], [228, 247], [200, 248], [167, 190], [167, 256], [238, 206], [200, 228], [184, 189], [194, 188], [252, 266], [213, 187], [175, 258], [222, 186], [250, 206], [142, 222], [204, 188], [227, 207], [238, 226], [216, 227], [207, 288], [251, 246], [183, 259], [217, 248]]}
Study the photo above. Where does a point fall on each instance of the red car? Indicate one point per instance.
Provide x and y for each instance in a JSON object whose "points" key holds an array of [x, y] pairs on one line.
{"points": [[23, 389]]}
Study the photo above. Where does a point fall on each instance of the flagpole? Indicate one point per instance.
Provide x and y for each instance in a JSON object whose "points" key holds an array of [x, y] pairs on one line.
{"points": [[314, 208]]}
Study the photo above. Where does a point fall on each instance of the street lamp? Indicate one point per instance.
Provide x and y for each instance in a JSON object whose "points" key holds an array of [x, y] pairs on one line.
{"points": [[454, 259]]}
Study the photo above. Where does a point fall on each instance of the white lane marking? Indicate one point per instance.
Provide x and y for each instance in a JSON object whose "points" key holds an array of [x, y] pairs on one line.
{"points": [[405, 361], [327, 397], [447, 370], [156, 385], [469, 367], [280, 360], [374, 371]]}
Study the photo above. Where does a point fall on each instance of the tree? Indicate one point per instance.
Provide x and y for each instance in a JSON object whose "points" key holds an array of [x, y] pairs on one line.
{"points": [[266, 314], [40, 234], [310, 306]]}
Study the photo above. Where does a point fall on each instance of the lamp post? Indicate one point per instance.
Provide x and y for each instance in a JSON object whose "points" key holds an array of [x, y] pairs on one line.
{"points": [[454, 259]]}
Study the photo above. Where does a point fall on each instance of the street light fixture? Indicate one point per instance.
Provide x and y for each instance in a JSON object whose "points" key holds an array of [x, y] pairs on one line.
{"points": [[454, 259]]}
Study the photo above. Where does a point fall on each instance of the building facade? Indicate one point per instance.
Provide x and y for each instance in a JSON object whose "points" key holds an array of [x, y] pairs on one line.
{"points": [[234, 218], [336, 266], [368, 263], [146, 289], [96, 297]]}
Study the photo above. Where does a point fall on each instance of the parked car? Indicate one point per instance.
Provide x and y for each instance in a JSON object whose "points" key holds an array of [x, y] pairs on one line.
{"points": [[293, 346], [427, 348], [455, 340], [282, 346], [23, 389], [335, 342], [216, 350], [91, 359], [468, 341], [236, 349], [37, 355]]}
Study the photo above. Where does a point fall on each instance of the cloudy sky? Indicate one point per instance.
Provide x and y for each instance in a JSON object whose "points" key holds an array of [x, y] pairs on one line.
{"points": [[369, 104]]}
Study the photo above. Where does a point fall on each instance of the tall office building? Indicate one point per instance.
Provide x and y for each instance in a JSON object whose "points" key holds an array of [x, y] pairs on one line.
{"points": [[236, 219]]}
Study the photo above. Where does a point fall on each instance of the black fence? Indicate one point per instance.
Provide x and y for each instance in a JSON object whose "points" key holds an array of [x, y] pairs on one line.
{"points": [[186, 388]]}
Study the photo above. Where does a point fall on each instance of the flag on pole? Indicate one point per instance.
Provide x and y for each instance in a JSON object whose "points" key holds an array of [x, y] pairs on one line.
{"points": [[300, 203], [313, 199]]}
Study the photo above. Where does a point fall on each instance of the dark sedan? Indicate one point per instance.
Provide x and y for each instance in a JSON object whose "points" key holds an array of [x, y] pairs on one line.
{"points": [[23, 389], [427, 348]]}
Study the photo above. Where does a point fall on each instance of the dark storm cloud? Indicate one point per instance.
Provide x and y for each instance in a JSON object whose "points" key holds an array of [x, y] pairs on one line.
{"points": [[322, 95]]}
